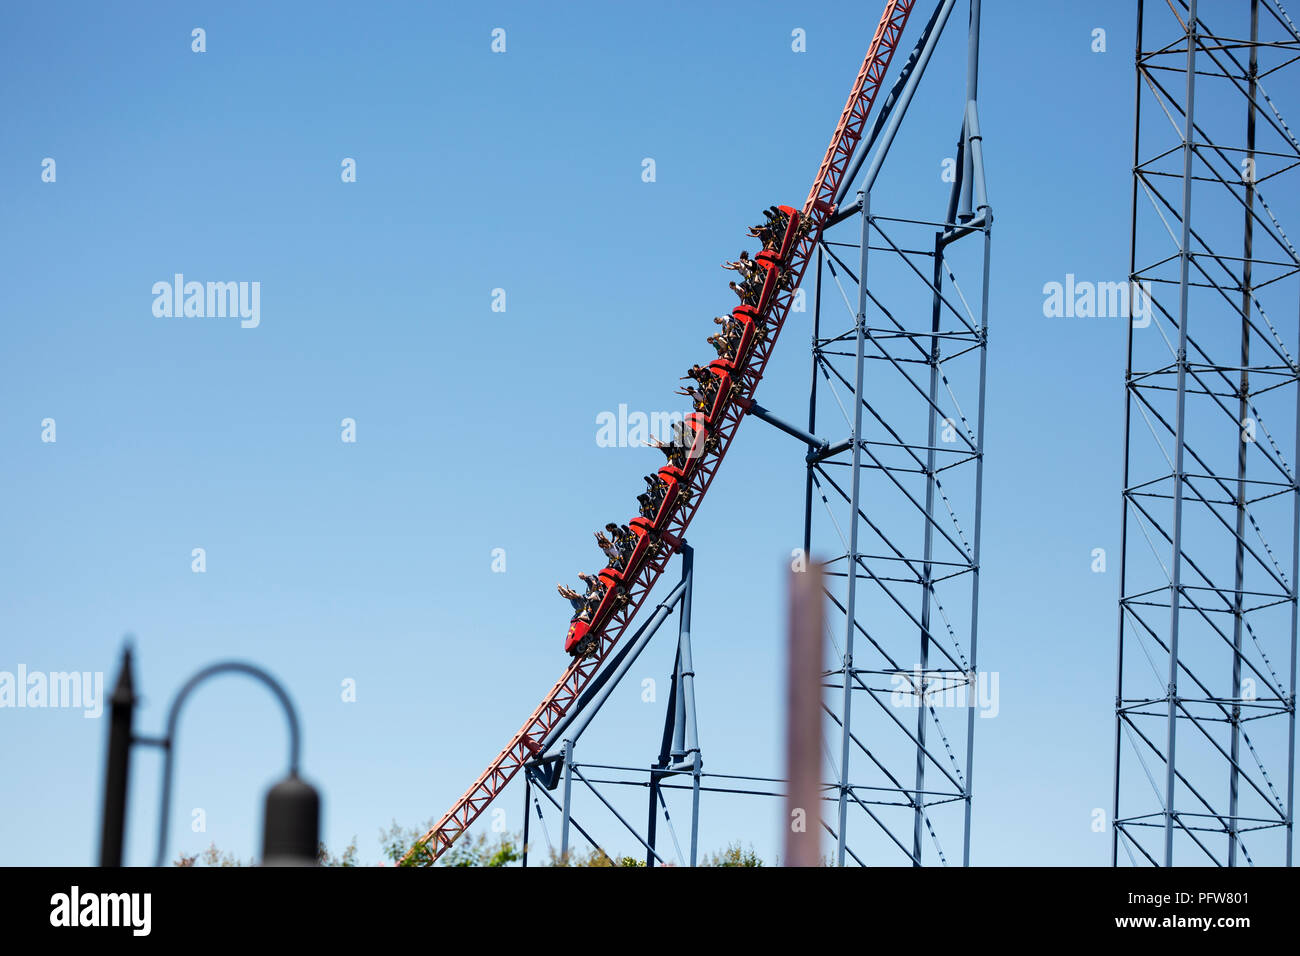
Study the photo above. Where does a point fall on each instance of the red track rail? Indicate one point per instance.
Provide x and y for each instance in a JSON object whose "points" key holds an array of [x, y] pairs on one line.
{"points": [[527, 741]]}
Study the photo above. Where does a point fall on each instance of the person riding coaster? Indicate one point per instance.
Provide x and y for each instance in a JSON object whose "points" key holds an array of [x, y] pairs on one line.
{"points": [[652, 498], [730, 327], [708, 381], [586, 603], [748, 292], [577, 601], [710, 388], [767, 236], [625, 546], [624, 538], [743, 265], [674, 452], [698, 401], [776, 219], [607, 548], [772, 230], [725, 346], [602, 598], [721, 345]]}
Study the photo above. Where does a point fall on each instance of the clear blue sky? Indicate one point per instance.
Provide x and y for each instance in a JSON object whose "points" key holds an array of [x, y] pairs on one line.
{"points": [[371, 561]]}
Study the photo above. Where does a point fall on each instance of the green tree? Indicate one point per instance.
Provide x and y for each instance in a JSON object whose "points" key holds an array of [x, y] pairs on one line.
{"points": [[211, 857], [734, 855], [468, 851], [592, 857], [349, 857], [477, 850], [396, 840]]}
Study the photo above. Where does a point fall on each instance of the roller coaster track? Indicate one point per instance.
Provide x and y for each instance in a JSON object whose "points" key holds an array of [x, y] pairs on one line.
{"points": [[528, 740]]}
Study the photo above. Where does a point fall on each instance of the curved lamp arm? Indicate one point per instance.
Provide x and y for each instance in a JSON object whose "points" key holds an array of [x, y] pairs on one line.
{"points": [[169, 741]]}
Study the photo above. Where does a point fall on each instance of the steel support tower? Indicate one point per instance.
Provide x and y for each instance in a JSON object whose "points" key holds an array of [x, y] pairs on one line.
{"points": [[1205, 700], [900, 324], [908, 380]]}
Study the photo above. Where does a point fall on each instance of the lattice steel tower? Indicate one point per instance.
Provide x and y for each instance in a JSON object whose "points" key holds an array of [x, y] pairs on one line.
{"points": [[898, 363], [1205, 699], [905, 384]]}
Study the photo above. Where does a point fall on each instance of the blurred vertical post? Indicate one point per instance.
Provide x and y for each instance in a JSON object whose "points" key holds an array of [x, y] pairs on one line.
{"points": [[803, 738], [121, 715]]}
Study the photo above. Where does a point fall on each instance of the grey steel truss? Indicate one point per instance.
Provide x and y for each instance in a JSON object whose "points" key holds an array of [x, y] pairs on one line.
{"points": [[894, 511], [900, 323], [1205, 696]]}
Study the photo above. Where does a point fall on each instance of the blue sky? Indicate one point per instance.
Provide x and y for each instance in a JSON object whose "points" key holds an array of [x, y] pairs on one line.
{"points": [[371, 561]]}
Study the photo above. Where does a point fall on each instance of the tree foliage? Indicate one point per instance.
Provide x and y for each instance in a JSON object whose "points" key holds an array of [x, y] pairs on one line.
{"points": [[476, 850], [210, 857], [733, 855]]}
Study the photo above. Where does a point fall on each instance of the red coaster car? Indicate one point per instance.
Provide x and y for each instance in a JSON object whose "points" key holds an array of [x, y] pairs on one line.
{"points": [[723, 370], [583, 635], [641, 528], [774, 261], [747, 317], [575, 642], [770, 263], [791, 228], [697, 427], [673, 477]]}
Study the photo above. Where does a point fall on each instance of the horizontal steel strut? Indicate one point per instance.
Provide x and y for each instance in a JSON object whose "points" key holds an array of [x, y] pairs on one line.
{"points": [[819, 206]]}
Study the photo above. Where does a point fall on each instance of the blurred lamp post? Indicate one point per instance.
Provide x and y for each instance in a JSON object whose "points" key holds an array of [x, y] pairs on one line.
{"points": [[121, 712], [291, 827]]}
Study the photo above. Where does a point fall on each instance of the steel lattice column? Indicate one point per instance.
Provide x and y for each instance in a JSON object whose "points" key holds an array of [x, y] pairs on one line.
{"points": [[896, 517], [1205, 697]]}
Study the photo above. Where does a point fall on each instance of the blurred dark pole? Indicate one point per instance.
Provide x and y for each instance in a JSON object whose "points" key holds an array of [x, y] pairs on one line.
{"points": [[804, 718], [121, 715]]}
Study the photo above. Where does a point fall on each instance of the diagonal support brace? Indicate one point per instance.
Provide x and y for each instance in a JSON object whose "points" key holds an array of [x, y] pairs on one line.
{"points": [[818, 448]]}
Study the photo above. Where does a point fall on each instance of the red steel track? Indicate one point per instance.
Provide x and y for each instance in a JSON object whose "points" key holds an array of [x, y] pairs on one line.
{"points": [[527, 741]]}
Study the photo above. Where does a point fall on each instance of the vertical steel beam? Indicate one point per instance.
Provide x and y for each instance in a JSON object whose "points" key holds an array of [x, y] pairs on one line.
{"points": [[972, 91], [652, 821], [687, 695], [864, 200], [1243, 413], [927, 559], [1180, 436], [972, 96], [687, 675], [1128, 434], [812, 404], [567, 813], [695, 813], [678, 752], [1295, 620], [975, 549], [528, 794]]}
